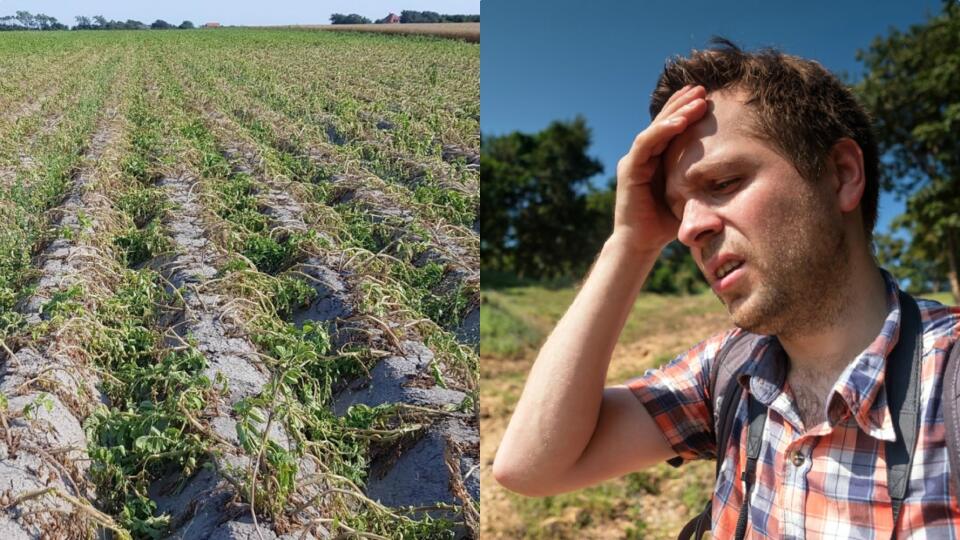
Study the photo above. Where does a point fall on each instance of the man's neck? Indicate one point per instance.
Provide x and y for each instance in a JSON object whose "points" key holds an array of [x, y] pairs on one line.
{"points": [[824, 352]]}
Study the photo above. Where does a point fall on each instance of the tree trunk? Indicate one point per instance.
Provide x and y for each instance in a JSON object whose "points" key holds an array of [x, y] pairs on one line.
{"points": [[952, 266]]}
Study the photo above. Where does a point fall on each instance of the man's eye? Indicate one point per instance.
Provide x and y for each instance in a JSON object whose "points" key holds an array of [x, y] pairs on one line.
{"points": [[726, 185]]}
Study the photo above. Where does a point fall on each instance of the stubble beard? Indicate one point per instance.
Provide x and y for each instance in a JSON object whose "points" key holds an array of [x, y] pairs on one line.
{"points": [[800, 286]]}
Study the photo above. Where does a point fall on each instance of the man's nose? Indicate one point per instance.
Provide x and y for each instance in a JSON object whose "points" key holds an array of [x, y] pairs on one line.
{"points": [[700, 222]]}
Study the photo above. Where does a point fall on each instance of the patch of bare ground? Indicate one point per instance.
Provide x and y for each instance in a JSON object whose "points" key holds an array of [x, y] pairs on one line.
{"points": [[632, 359], [465, 31], [654, 503]]}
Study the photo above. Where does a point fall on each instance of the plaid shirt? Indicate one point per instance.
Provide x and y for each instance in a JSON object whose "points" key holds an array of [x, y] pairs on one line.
{"points": [[830, 480]]}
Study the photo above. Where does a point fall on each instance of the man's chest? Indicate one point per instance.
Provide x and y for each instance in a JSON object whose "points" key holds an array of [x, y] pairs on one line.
{"points": [[807, 394], [834, 482]]}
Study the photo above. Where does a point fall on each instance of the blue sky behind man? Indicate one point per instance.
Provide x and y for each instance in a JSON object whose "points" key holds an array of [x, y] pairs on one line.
{"points": [[602, 59]]}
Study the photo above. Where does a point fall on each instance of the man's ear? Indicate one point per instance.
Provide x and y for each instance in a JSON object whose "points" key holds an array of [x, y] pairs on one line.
{"points": [[850, 181]]}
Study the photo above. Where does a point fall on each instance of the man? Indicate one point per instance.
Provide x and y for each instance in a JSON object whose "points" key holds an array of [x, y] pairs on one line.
{"points": [[765, 166]]}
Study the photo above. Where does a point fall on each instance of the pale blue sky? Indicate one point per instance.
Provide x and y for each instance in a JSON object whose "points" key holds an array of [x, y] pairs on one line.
{"points": [[227, 12]]}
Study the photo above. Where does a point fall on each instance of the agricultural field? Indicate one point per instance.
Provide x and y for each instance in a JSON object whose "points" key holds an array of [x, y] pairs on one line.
{"points": [[465, 31], [239, 285]]}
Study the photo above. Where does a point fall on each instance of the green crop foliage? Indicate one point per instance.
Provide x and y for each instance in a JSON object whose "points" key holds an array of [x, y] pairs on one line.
{"points": [[142, 205], [139, 245], [238, 115], [63, 303], [451, 206], [362, 230], [289, 293], [270, 255], [144, 432]]}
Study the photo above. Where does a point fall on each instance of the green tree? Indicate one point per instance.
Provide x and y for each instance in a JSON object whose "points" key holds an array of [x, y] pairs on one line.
{"points": [[920, 263], [186, 25], [26, 19], [534, 219], [353, 18], [911, 88], [161, 24], [83, 23], [540, 218]]}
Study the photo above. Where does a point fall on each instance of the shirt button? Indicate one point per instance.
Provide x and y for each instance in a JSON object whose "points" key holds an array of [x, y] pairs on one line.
{"points": [[797, 459]]}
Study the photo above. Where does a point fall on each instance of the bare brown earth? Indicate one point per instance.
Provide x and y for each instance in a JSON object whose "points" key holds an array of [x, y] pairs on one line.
{"points": [[465, 31], [650, 504]]}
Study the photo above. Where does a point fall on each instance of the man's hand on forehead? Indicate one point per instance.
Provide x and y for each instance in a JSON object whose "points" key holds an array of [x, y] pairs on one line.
{"points": [[641, 217]]}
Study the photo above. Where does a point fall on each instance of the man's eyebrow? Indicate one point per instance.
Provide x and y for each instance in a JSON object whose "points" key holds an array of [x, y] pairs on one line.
{"points": [[703, 169]]}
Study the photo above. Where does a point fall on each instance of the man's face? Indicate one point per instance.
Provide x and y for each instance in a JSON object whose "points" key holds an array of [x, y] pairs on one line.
{"points": [[770, 243]]}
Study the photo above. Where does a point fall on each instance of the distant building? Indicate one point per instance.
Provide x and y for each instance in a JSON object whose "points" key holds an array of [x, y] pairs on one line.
{"points": [[211, 25], [392, 18]]}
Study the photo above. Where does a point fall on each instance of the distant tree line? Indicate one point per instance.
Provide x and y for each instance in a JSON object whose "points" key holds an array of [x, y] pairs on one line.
{"points": [[406, 16], [99, 22], [353, 18], [24, 20]]}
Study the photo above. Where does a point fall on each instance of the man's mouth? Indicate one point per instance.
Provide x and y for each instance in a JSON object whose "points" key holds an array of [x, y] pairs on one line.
{"points": [[726, 273], [727, 268]]}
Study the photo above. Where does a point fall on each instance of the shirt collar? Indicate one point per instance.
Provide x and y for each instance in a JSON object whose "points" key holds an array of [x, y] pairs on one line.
{"points": [[860, 387]]}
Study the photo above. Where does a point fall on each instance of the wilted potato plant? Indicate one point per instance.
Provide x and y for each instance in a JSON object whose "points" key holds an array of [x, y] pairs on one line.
{"points": [[239, 285]]}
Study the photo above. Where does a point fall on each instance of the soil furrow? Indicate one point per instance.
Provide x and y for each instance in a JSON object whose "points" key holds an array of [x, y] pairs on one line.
{"points": [[441, 464], [49, 383], [234, 358], [202, 507], [455, 248], [296, 140]]}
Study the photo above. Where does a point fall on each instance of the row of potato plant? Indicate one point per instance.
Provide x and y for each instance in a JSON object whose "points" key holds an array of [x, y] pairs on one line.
{"points": [[305, 367]]}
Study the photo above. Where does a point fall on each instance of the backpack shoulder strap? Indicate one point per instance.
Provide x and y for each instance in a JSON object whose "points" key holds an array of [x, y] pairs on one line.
{"points": [[729, 361], [757, 414], [903, 398], [725, 393], [950, 393]]}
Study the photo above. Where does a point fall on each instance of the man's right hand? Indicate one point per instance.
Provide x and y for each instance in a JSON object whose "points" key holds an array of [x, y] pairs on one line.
{"points": [[568, 431], [641, 217]]}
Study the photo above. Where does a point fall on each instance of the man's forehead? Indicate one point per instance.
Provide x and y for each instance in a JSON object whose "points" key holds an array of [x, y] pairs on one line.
{"points": [[727, 118], [718, 137]]}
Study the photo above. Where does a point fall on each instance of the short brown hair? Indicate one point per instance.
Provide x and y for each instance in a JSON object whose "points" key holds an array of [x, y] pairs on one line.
{"points": [[802, 108]]}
